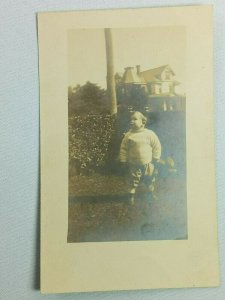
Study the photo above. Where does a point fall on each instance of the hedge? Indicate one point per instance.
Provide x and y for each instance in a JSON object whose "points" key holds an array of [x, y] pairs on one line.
{"points": [[90, 139]]}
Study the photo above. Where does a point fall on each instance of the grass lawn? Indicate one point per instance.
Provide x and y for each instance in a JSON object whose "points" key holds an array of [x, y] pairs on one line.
{"points": [[100, 211], [96, 184]]}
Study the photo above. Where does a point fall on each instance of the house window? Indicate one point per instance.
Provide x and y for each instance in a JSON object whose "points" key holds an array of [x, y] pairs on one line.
{"points": [[167, 74], [172, 89], [165, 87], [157, 89]]}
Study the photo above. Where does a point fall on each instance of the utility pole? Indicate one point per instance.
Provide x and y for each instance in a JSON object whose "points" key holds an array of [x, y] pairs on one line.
{"points": [[111, 87]]}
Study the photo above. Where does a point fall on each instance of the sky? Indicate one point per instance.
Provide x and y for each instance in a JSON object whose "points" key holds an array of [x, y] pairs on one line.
{"points": [[148, 47]]}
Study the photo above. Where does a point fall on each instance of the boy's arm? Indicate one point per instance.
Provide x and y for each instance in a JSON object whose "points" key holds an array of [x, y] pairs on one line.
{"points": [[123, 150], [156, 147]]}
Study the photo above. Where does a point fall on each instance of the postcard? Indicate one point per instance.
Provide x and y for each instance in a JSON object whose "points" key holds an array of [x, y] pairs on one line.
{"points": [[128, 195]]}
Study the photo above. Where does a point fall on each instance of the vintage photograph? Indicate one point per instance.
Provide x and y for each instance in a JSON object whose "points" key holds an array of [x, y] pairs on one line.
{"points": [[127, 182], [127, 134]]}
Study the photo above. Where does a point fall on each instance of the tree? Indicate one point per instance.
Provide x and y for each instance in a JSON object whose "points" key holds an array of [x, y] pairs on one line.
{"points": [[134, 96], [88, 99]]}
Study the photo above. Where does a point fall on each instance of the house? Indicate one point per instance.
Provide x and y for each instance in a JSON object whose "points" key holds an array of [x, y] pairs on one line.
{"points": [[159, 84]]}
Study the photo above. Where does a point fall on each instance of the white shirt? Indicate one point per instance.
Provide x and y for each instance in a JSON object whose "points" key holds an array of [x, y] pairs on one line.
{"points": [[140, 147]]}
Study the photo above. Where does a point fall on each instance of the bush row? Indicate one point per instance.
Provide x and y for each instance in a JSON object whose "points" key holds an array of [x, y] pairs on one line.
{"points": [[90, 138]]}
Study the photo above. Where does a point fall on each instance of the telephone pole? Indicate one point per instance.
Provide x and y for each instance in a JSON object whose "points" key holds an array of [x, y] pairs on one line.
{"points": [[111, 87]]}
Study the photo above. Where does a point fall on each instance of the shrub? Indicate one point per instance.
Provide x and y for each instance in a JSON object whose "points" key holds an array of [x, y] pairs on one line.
{"points": [[89, 142]]}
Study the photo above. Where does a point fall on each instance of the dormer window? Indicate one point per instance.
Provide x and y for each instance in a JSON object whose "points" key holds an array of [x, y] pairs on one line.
{"points": [[167, 74]]}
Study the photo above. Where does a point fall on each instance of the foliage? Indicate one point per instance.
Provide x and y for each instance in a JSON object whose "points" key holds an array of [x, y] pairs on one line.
{"points": [[133, 96], [87, 99], [89, 142]]}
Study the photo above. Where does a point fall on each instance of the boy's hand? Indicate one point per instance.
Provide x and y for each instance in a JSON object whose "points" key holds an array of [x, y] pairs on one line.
{"points": [[156, 163]]}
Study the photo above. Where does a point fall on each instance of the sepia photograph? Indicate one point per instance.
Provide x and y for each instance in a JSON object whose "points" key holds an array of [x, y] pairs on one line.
{"points": [[127, 134], [127, 181]]}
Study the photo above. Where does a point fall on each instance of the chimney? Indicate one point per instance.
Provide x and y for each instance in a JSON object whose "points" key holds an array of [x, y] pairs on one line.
{"points": [[128, 68], [138, 69]]}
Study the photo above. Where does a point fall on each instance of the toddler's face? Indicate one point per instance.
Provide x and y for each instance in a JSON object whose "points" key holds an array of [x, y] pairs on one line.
{"points": [[136, 121]]}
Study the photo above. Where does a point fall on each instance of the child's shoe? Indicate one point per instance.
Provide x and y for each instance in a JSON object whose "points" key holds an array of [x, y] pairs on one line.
{"points": [[131, 198], [149, 196], [151, 187]]}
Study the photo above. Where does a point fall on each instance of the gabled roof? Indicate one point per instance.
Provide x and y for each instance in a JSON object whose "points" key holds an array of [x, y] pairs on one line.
{"points": [[130, 76], [154, 74], [119, 75]]}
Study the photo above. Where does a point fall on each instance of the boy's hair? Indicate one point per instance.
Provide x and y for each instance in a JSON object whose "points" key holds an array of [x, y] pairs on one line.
{"points": [[144, 119]]}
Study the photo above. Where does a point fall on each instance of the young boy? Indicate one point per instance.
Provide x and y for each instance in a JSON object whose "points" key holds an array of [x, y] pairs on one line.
{"points": [[140, 149]]}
